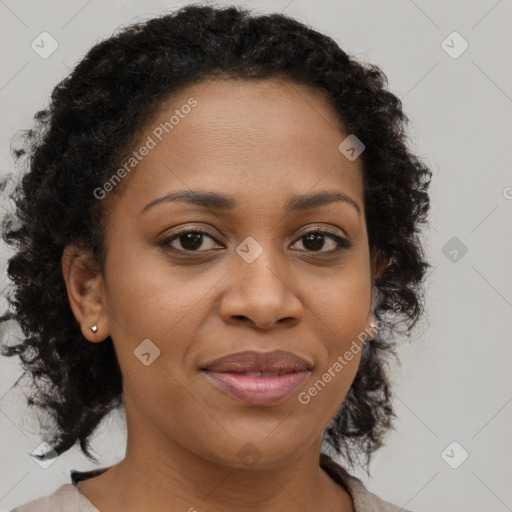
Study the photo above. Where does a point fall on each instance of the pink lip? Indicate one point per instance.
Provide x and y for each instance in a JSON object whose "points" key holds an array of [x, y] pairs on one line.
{"points": [[264, 390], [280, 374]]}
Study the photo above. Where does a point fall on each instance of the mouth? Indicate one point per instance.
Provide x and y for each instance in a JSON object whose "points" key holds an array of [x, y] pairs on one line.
{"points": [[258, 378]]}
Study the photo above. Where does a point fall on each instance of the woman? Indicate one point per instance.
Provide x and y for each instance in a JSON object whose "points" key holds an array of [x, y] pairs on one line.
{"points": [[218, 231]]}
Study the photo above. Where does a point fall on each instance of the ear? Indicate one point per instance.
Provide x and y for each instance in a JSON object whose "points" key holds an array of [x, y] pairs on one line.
{"points": [[379, 263], [84, 283]]}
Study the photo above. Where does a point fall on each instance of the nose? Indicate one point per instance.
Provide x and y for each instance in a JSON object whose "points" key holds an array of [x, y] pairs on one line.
{"points": [[262, 293]]}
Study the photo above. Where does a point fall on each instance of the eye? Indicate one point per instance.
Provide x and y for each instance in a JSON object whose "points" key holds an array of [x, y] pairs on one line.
{"points": [[190, 239], [316, 239]]}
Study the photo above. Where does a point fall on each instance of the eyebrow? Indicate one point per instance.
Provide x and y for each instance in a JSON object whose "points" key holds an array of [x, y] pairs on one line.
{"points": [[216, 201]]}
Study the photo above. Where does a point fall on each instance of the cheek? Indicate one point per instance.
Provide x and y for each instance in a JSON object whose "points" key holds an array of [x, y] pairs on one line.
{"points": [[346, 315], [342, 311], [149, 299], [148, 296], [342, 302]]}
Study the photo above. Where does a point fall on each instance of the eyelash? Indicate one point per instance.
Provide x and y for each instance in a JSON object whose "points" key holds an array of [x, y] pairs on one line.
{"points": [[342, 243]]}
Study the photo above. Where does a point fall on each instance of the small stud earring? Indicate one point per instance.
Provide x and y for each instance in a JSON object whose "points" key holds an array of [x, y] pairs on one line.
{"points": [[94, 328]]}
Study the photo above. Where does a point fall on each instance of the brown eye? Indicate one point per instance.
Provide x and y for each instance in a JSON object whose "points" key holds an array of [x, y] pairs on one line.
{"points": [[316, 240], [190, 240]]}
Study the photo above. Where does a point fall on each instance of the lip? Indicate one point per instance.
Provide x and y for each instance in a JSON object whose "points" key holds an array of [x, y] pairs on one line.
{"points": [[252, 361], [258, 378], [258, 390]]}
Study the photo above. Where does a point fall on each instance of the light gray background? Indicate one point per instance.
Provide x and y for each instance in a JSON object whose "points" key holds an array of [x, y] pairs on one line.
{"points": [[455, 382]]}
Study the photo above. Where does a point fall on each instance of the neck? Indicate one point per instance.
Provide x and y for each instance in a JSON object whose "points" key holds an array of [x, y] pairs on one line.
{"points": [[158, 473]]}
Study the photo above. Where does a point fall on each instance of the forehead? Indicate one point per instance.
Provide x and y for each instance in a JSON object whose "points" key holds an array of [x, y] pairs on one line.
{"points": [[266, 111], [272, 138]]}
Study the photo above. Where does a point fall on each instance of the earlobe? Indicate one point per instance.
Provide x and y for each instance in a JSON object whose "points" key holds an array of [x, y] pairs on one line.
{"points": [[372, 326], [84, 284]]}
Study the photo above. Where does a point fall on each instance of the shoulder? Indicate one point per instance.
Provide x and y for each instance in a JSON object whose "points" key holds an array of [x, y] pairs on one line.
{"points": [[65, 499], [364, 500], [62, 499]]}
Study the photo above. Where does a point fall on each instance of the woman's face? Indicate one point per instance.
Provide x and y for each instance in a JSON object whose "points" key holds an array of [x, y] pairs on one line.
{"points": [[253, 281]]}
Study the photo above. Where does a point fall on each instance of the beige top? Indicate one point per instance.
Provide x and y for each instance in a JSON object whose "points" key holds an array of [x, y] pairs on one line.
{"points": [[68, 498]]}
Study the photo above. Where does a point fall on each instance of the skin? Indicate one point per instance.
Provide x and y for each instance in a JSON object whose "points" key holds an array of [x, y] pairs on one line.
{"points": [[260, 142]]}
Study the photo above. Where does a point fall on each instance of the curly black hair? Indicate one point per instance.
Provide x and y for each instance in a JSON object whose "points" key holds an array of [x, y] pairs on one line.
{"points": [[89, 128]]}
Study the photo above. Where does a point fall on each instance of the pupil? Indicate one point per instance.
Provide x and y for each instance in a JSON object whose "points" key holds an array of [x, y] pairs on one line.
{"points": [[194, 238], [311, 236]]}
